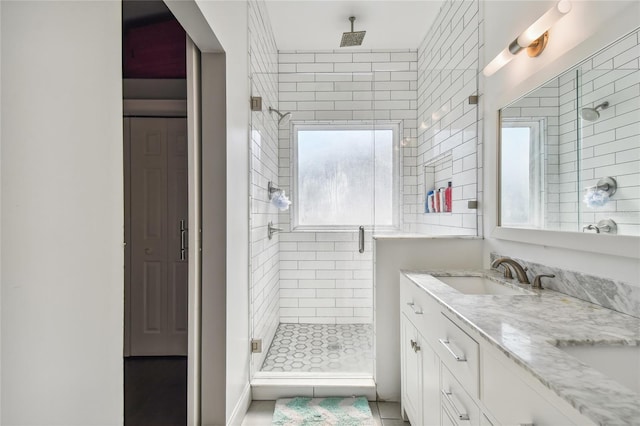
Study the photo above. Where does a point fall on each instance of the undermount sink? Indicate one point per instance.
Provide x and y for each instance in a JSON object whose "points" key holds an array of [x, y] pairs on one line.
{"points": [[480, 285], [618, 362]]}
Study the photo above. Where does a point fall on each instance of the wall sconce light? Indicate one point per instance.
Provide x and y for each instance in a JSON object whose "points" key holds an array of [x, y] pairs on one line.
{"points": [[534, 38]]}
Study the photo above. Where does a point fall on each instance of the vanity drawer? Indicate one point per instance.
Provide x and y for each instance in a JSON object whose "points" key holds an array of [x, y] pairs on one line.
{"points": [[511, 401], [456, 402], [459, 352], [418, 306]]}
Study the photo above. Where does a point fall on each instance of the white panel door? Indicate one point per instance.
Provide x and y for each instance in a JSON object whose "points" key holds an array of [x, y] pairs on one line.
{"points": [[158, 204]]}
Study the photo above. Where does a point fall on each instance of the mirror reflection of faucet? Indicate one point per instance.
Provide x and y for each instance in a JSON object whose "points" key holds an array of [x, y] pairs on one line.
{"points": [[607, 226]]}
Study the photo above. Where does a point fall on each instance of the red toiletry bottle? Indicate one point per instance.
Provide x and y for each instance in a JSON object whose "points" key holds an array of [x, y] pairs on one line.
{"points": [[448, 197]]}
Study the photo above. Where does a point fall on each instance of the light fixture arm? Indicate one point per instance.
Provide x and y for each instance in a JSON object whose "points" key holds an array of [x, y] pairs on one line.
{"points": [[534, 38]]}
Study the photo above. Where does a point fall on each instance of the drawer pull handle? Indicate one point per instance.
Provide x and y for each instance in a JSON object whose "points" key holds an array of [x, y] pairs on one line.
{"points": [[449, 397], [447, 345], [415, 346], [416, 310]]}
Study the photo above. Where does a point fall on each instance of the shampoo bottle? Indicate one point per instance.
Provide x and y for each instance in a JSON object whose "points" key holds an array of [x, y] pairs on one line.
{"points": [[427, 202], [448, 197]]}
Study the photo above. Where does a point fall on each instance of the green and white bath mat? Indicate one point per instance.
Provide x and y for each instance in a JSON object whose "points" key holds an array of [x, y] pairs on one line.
{"points": [[335, 411]]}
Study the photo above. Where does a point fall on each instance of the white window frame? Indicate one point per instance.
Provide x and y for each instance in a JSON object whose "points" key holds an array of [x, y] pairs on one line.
{"points": [[537, 190], [394, 126]]}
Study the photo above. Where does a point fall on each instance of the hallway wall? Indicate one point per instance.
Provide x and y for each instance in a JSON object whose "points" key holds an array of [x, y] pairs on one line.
{"points": [[62, 203]]}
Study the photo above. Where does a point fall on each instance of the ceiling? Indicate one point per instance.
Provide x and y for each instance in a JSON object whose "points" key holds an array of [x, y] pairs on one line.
{"points": [[143, 10], [319, 24]]}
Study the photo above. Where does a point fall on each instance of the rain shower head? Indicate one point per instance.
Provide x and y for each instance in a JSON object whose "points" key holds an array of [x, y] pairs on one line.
{"points": [[352, 38], [281, 117], [592, 114]]}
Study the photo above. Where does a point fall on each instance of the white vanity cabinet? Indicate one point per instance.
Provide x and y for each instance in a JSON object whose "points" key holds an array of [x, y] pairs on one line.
{"points": [[412, 374], [515, 399], [450, 378], [420, 364]]}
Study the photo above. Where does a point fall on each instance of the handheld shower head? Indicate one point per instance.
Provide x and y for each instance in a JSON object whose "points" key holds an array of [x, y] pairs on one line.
{"points": [[281, 117], [592, 114], [352, 38]]}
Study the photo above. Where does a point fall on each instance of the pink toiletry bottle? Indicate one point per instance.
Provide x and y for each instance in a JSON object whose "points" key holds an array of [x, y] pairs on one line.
{"points": [[448, 197]]}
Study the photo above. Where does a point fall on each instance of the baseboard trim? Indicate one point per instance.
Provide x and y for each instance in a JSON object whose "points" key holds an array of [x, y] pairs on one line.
{"points": [[241, 408], [267, 389]]}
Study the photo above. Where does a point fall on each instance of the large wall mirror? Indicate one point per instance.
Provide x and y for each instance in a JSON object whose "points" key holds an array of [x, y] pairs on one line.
{"points": [[570, 149]]}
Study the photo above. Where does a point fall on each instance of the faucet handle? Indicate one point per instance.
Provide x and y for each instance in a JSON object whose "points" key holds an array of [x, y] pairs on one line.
{"points": [[592, 227], [507, 270], [537, 281]]}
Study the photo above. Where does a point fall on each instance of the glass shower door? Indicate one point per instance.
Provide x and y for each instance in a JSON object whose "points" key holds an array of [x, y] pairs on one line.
{"points": [[327, 166]]}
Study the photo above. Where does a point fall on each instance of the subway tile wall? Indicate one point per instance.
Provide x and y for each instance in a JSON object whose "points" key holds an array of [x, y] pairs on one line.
{"points": [[566, 179], [448, 125], [323, 277], [611, 144], [265, 263]]}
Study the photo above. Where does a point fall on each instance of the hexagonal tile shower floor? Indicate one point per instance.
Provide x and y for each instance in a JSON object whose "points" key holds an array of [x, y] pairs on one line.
{"points": [[321, 348]]}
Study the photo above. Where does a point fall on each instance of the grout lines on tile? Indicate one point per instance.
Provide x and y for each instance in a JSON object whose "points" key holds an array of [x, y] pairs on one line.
{"points": [[321, 348]]}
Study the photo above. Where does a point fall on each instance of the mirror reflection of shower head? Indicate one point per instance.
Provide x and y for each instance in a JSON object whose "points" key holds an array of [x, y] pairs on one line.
{"points": [[592, 114], [281, 116], [352, 38]]}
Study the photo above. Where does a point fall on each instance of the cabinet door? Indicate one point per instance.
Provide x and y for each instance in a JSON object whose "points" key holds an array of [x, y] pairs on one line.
{"points": [[430, 385], [411, 372]]}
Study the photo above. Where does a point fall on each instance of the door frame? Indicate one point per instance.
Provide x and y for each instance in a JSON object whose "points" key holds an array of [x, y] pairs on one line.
{"points": [[192, 109], [207, 144]]}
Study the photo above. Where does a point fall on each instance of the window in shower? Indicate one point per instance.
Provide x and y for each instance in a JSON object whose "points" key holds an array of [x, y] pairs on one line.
{"points": [[345, 175], [522, 184]]}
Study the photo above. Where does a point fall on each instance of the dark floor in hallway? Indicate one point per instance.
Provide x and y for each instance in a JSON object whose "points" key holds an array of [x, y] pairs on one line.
{"points": [[155, 391]]}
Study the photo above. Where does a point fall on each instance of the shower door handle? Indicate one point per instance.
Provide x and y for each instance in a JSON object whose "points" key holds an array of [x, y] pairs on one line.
{"points": [[361, 239], [183, 240]]}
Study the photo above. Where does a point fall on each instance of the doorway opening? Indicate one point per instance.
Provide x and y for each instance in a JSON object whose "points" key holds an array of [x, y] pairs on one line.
{"points": [[156, 215]]}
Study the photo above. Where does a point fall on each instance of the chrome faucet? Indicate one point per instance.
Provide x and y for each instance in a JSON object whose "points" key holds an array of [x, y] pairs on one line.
{"points": [[520, 271]]}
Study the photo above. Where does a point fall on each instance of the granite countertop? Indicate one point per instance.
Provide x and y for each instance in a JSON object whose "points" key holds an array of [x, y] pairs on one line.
{"points": [[528, 328]]}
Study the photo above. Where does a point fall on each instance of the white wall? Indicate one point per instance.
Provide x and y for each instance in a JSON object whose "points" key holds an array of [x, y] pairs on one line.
{"points": [[0, 214], [590, 26], [228, 19], [62, 213]]}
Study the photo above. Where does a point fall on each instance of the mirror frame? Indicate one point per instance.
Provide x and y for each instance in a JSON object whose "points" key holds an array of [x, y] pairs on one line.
{"points": [[616, 245]]}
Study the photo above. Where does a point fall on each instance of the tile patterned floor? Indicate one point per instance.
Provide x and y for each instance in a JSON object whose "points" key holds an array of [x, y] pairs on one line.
{"points": [[321, 348]]}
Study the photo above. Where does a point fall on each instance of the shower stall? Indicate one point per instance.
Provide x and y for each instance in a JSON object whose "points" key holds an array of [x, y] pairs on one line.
{"points": [[312, 263], [355, 140]]}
